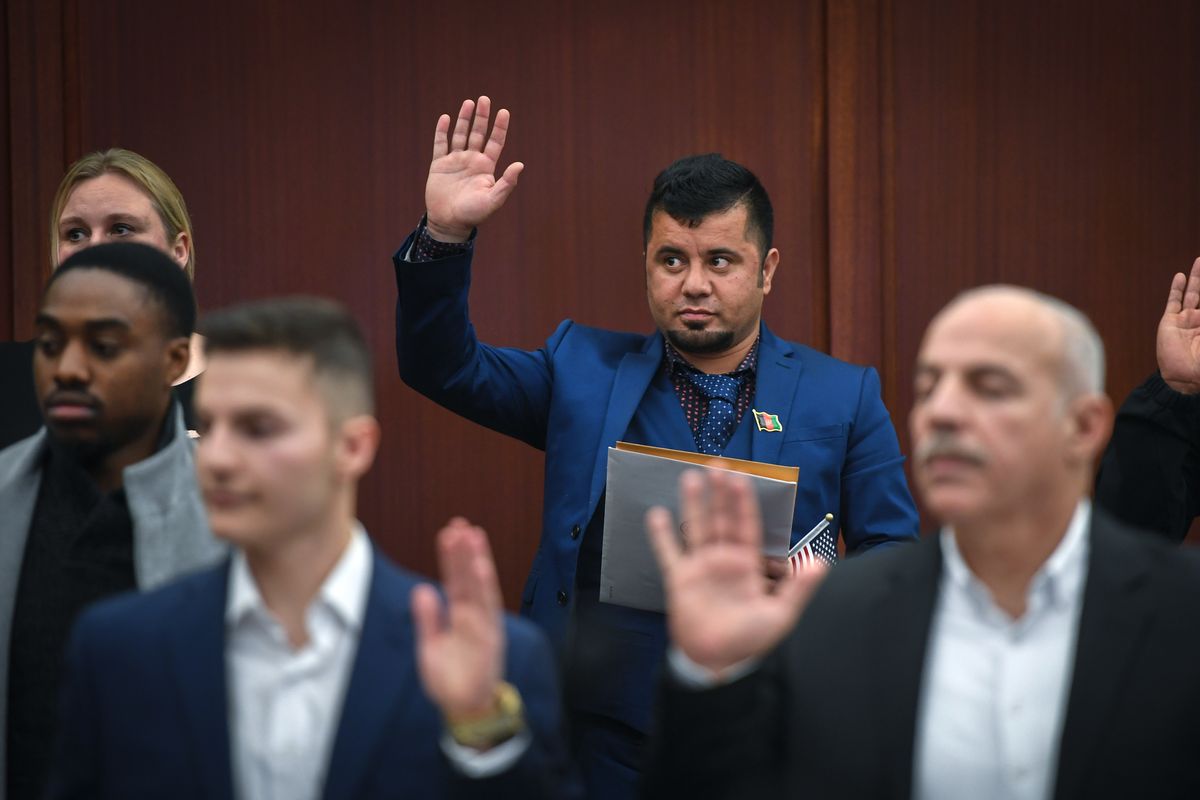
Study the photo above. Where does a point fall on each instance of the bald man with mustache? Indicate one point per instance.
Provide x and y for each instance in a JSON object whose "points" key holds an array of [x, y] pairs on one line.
{"points": [[1034, 647]]}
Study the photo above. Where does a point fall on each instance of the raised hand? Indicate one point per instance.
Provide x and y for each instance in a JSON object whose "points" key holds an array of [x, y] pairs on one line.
{"points": [[1179, 333], [460, 648], [462, 190], [720, 610]]}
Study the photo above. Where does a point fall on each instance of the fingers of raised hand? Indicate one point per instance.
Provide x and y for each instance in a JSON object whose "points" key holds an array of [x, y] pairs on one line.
{"points": [[746, 515], [661, 529], [483, 112], [427, 613], [468, 572], [796, 590], [495, 142], [462, 124], [693, 508], [1191, 296], [733, 510], [1175, 295], [441, 137], [508, 181]]}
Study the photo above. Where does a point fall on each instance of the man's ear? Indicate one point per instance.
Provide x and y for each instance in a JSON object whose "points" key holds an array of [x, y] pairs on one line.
{"points": [[359, 442], [767, 271], [179, 351], [1091, 419]]}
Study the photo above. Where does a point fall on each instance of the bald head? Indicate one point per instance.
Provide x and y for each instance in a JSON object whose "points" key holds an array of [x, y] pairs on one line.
{"points": [[1047, 328], [1009, 410]]}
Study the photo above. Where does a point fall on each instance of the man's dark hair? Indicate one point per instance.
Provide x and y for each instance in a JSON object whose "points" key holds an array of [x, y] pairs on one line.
{"points": [[306, 327], [163, 279], [696, 186]]}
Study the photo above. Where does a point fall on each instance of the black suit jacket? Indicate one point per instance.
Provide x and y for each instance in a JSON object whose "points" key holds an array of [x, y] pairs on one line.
{"points": [[20, 415], [832, 712]]}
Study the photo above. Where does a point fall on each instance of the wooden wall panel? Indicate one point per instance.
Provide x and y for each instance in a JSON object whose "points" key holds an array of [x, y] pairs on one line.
{"points": [[1050, 145], [35, 90], [912, 149], [300, 135]]}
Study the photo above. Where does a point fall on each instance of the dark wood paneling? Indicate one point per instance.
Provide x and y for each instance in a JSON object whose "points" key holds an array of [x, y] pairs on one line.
{"points": [[1052, 145], [301, 140], [35, 86], [912, 149]]}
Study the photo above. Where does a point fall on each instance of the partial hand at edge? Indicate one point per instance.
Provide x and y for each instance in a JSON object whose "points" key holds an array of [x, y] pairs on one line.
{"points": [[460, 648], [1178, 342], [720, 611], [462, 191]]}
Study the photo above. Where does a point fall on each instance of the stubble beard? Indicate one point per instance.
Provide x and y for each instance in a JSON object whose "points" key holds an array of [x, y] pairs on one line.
{"points": [[700, 342]]}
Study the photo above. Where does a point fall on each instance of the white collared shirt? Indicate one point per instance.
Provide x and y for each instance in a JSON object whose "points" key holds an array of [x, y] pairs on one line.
{"points": [[994, 689], [284, 703]]}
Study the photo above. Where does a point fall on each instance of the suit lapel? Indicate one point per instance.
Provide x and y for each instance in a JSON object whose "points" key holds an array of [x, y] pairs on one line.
{"points": [[384, 673], [905, 614], [775, 388], [1116, 603], [633, 377], [198, 653]]}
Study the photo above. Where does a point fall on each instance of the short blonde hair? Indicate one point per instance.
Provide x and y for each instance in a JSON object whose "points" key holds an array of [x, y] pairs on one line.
{"points": [[164, 195]]}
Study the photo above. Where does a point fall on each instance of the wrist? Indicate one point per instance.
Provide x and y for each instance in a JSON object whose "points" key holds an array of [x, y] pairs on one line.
{"points": [[489, 725], [1181, 386], [447, 234]]}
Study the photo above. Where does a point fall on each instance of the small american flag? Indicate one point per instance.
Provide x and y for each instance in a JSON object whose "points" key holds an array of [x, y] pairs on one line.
{"points": [[816, 546]]}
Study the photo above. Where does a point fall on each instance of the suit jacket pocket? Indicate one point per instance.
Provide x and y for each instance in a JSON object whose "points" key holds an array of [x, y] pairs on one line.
{"points": [[814, 432]]}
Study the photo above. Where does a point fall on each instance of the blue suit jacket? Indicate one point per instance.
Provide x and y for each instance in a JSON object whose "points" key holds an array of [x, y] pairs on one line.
{"points": [[575, 397], [144, 707]]}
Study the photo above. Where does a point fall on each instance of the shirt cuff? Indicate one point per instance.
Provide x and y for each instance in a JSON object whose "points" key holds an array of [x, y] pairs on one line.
{"points": [[691, 675], [485, 763], [426, 248]]}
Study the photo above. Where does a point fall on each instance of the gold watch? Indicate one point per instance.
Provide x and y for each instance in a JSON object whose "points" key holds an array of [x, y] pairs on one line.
{"points": [[505, 721]]}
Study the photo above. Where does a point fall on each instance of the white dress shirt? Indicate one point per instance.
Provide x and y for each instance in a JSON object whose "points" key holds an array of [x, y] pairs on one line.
{"points": [[285, 703], [994, 689]]}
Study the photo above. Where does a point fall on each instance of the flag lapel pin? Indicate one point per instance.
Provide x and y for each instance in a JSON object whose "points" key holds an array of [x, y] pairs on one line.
{"points": [[768, 423]]}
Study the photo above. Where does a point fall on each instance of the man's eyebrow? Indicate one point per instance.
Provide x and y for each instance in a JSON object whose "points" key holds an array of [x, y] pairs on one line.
{"points": [[666, 249], [722, 251], [989, 370], [45, 320], [105, 324]]}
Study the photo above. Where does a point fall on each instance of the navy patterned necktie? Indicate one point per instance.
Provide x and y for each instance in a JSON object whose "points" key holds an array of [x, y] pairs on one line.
{"points": [[717, 425]]}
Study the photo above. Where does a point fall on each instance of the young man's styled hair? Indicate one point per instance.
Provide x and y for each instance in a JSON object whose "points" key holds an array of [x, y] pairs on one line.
{"points": [[696, 186], [163, 280], [306, 327], [164, 195]]}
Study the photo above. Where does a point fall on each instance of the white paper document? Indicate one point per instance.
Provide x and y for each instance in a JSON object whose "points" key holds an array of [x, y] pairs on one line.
{"points": [[638, 481]]}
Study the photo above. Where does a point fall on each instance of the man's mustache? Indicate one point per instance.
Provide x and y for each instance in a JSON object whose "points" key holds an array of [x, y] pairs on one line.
{"points": [[71, 397], [942, 444]]}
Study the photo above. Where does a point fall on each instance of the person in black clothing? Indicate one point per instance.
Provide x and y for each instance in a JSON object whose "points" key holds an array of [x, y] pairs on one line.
{"points": [[103, 498], [1150, 474], [110, 196]]}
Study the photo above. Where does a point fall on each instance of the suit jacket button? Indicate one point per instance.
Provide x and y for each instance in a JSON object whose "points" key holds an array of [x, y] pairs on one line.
{"points": [[562, 598], [574, 531]]}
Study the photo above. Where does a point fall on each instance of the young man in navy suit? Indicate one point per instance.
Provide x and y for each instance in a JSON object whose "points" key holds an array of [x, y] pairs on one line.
{"points": [[307, 665], [694, 384]]}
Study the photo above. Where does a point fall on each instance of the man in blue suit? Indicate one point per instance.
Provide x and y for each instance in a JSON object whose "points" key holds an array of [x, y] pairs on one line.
{"points": [[307, 665], [711, 379]]}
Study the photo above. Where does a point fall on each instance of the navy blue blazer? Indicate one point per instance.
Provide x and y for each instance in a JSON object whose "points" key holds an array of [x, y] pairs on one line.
{"points": [[576, 396], [144, 706]]}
